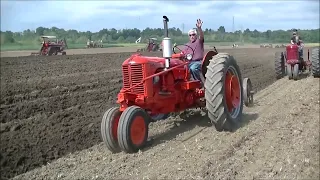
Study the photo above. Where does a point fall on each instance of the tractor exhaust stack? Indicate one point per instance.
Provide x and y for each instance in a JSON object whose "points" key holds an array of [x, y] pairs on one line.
{"points": [[167, 45]]}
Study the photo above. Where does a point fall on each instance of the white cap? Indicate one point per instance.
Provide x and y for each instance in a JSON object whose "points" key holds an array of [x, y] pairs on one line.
{"points": [[192, 31]]}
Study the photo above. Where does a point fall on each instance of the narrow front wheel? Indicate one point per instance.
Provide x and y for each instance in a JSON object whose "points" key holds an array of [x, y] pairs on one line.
{"points": [[109, 127], [133, 129]]}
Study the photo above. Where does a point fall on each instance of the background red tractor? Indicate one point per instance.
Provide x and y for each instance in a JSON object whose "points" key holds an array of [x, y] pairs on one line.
{"points": [[152, 45], [51, 46], [154, 87], [292, 64]]}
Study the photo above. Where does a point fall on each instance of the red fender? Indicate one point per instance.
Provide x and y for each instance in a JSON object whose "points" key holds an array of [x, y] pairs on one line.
{"points": [[206, 60]]}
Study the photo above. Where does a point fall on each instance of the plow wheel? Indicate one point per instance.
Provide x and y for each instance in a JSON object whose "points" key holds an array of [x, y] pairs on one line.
{"points": [[133, 129], [295, 72], [109, 128], [247, 92], [224, 92], [289, 71]]}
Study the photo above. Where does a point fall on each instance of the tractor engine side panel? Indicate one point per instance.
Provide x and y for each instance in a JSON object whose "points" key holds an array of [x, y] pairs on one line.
{"points": [[132, 75]]}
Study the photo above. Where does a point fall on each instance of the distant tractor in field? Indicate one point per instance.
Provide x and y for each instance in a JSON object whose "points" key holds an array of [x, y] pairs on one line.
{"points": [[292, 63], [100, 44], [94, 44], [235, 45], [266, 46], [280, 46], [151, 46], [52, 46]]}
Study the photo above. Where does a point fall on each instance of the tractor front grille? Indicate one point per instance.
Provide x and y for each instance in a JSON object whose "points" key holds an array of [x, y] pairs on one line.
{"points": [[132, 75]]}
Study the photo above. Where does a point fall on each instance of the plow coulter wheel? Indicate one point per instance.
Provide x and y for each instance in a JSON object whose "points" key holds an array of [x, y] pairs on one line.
{"points": [[247, 92], [295, 72], [109, 128], [133, 129], [289, 71], [224, 92], [315, 62], [279, 65]]}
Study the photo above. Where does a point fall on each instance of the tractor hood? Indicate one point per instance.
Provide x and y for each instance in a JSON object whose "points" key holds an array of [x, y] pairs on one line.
{"points": [[139, 59]]}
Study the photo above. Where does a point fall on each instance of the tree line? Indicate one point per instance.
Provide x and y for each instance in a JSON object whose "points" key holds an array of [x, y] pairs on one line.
{"points": [[131, 35]]}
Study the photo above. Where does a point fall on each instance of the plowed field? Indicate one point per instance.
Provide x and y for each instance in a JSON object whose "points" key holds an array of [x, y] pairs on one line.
{"points": [[52, 106]]}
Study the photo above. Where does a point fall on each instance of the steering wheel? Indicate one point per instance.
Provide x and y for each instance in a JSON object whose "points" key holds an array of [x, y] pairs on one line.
{"points": [[188, 56]]}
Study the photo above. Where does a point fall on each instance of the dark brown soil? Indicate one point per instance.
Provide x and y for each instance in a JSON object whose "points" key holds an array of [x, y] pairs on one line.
{"points": [[52, 106]]}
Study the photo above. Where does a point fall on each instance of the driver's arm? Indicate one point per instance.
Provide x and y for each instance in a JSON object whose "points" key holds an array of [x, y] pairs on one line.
{"points": [[201, 35]]}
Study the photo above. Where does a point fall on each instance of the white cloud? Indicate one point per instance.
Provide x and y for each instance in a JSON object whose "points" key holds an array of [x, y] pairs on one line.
{"points": [[88, 9], [95, 15]]}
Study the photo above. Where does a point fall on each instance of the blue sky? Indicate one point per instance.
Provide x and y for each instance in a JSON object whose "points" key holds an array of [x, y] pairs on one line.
{"points": [[96, 15]]}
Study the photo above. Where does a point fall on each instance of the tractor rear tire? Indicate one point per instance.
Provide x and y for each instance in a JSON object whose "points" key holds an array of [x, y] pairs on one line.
{"points": [[279, 65], [51, 51], [315, 62], [109, 127], [133, 129], [55, 51], [215, 92], [48, 51]]}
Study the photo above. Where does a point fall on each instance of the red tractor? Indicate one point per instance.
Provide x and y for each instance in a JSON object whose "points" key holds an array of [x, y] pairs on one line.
{"points": [[293, 64], [151, 46], [154, 87], [51, 46]]}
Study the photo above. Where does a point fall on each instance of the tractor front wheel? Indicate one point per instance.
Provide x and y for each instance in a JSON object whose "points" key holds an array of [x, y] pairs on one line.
{"points": [[289, 71], [224, 92], [109, 128], [133, 129], [295, 72]]}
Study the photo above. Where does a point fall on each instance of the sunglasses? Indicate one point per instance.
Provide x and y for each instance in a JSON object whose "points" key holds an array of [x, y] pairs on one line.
{"points": [[192, 35]]}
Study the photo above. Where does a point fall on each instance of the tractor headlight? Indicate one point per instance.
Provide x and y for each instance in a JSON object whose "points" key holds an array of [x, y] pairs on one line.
{"points": [[189, 57], [156, 79]]}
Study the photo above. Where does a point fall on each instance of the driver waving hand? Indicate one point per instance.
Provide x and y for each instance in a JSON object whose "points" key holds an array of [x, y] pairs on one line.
{"points": [[197, 45]]}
